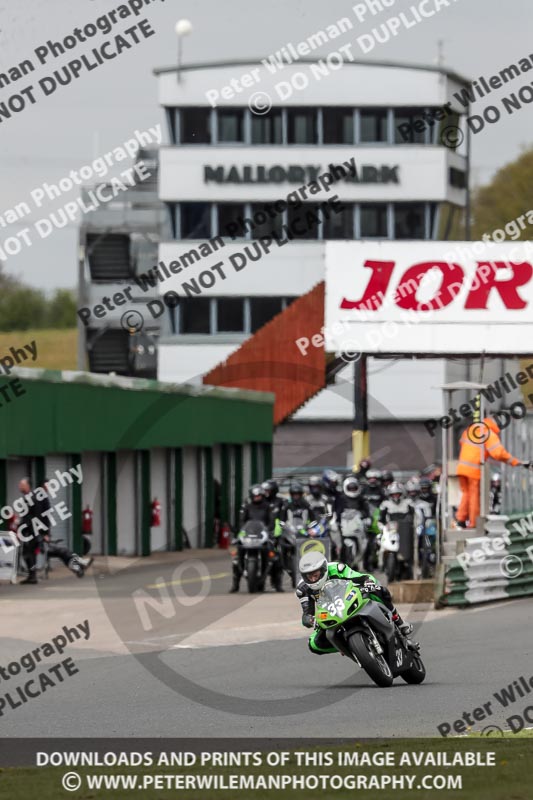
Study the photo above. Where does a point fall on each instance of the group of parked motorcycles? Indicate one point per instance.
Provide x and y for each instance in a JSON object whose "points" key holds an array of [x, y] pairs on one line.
{"points": [[365, 544]]}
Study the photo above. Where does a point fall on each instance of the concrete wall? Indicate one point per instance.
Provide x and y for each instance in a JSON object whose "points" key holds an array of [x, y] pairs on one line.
{"points": [[393, 445]]}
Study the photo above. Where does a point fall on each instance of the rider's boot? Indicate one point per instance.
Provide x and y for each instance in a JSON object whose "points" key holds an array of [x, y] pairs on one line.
{"points": [[405, 629], [75, 566], [235, 581], [276, 577]]}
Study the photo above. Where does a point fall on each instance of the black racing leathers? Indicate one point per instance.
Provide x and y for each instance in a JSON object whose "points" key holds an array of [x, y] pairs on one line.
{"points": [[358, 503], [429, 497], [374, 496], [319, 504], [255, 511]]}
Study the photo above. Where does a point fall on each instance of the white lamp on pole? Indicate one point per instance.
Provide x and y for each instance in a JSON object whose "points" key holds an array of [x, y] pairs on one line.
{"points": [[183, 28]]}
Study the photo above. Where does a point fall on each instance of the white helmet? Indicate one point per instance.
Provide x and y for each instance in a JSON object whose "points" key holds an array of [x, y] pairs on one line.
{"points": [[314, 562], [351, 487]]}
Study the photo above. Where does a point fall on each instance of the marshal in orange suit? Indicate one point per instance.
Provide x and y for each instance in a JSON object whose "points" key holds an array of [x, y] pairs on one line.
{"points": [[477, 436]]}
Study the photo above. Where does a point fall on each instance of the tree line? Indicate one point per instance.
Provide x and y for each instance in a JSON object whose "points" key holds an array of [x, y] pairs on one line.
{"points": [[23, 307]]}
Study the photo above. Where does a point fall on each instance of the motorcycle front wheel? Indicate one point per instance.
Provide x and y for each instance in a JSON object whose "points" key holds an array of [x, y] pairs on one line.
{"points": [[389, 567], [374, 664], [251, 575], [425, 559], [416, 673]]}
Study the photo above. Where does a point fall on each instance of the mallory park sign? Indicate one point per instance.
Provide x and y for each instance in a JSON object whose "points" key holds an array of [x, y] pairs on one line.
{"points": [[295, 174]]}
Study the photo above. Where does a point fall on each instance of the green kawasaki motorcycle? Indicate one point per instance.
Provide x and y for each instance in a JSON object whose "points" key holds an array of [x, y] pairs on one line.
{"points": [[358, 625]]}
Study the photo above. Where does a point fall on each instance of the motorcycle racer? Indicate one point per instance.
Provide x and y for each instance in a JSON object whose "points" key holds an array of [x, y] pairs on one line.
{"points": [[396, 505], [316, 571]]}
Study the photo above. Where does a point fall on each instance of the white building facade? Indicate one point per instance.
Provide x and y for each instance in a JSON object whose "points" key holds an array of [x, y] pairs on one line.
{"points": [[391, 126]]}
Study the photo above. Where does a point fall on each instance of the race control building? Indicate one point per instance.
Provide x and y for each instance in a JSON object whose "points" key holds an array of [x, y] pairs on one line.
{"points": [[399, 131]]}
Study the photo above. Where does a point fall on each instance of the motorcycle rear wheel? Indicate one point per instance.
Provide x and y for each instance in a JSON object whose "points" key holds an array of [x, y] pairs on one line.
{"points": [[373, 664]]}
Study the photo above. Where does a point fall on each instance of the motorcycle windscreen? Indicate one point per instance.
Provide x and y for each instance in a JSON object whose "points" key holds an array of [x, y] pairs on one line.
{"points": [[253, 527], [405, 531]]}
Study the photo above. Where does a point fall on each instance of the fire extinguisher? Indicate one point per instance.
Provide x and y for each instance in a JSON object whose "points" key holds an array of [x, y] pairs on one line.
{"points": [[225, 536], [87, 520], [156, 513]]}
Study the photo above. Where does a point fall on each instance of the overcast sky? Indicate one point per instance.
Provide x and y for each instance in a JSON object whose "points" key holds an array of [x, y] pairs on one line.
{"points": [[103, 107]]}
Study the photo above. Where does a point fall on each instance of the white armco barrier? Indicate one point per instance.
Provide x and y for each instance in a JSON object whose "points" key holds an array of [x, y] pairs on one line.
{"points": [[497, 566], [9, 551]]}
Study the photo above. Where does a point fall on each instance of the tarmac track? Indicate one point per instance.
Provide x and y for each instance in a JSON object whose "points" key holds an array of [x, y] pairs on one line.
{"points": [[216, 672]]}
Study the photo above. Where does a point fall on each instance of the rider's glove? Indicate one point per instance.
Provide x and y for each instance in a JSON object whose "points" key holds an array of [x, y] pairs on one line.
{"points": [[308, 621], [370, 586]]}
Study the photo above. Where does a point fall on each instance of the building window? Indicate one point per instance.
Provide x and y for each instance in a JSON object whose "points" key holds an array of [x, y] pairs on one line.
{"points": [[409, 221], [304, 220], [340, 223], [230, 218], [447, 131], [230, 314], [267, 128], [338, 125], [373, 125], [263, 309], [264, 224], [172, 122], [230, 124], [410, 126], [196, 126], [374, 221], [195, 220], [195, 315], [302, 125], [457, 178]]}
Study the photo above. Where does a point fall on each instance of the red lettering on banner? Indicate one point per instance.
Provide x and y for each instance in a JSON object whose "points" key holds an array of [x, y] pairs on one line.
{"points": [[452, 280], [484, 282], [507, 289], [377, 286]]}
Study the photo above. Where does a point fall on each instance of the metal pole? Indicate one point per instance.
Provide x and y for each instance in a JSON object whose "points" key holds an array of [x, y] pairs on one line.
{"points": [[360, 439], [179, 59], [468, 226], [443, 490]]}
